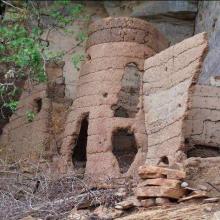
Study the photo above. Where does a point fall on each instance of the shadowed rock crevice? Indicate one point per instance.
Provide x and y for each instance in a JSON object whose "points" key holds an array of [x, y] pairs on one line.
{"points": [[79, 156], [124, 148], [203, 151], [128, 97]]}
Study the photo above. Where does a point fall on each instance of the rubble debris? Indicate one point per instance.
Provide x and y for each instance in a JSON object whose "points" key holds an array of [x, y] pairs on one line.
{"points": [[107, 213], [128, 203], [194, 195], [203, 172], [160, 191], [181, 211], [162, 201], [147, 202], [124, 205], [211, 200]]}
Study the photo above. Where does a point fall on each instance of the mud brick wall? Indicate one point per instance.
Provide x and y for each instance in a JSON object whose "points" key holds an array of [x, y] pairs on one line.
{"points": [[35, 139], [204, 118], [169, 83], [24, 139], [104, 133]]}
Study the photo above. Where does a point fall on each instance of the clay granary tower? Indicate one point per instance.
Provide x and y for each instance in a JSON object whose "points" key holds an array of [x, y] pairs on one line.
{"points": [[105, 132]]}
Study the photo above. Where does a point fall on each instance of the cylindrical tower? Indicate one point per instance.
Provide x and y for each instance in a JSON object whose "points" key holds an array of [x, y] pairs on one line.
{"points": [[105, 133]]}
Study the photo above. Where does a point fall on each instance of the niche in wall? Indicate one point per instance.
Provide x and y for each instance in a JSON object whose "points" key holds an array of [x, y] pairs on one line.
{"points": [[124, 148], [79, 156], [128, 97]]}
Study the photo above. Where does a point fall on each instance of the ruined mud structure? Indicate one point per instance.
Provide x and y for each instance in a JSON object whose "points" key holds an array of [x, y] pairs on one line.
{"points": [[104, 133], [35, 129], [169, 85], [137, 102]]}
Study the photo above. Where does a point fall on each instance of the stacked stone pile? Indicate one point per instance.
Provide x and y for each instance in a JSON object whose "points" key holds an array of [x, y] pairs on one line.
{"points": [[159, 185]]}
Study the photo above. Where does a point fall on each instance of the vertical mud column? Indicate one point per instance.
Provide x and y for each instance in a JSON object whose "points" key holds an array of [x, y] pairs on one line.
{"points": [[113, 141]]}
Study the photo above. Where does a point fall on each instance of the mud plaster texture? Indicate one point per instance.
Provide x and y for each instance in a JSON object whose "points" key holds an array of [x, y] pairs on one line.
{"points": [[204, 118], [109, 93], [38, 138], [168, 85]]}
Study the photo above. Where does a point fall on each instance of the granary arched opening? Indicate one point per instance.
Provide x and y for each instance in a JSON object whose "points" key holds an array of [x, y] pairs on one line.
{"points": [[79, 156], [124, 148], [128, 97]]}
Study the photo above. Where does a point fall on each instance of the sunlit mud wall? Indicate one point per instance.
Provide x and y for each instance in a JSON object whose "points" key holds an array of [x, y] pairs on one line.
{"points": [[105, 133], [169, 85]]}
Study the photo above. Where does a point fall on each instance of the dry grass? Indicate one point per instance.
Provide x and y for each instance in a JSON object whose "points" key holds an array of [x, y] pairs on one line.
{"points": [[39, 195]]}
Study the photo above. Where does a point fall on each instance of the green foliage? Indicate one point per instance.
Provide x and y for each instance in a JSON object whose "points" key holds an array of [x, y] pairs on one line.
{"points": [[30, 115], [12, 105], [21, 49], [77, 59], [54, 55], [64, 12], [81, 36], [24, 52]]}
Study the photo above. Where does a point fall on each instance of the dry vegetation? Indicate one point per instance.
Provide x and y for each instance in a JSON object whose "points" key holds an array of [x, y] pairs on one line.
{"points": [[37, 194]]}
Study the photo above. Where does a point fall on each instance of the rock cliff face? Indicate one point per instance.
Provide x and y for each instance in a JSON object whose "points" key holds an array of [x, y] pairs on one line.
{"points": [[208, 20], [177, 20]]}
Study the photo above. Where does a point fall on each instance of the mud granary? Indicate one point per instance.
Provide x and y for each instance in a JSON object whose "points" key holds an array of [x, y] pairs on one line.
{"points": [[137, 102], [104, 131]]}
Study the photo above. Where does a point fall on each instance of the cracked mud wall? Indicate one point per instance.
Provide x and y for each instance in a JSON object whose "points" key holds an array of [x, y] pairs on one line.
{"points": [[204, 118], [169, 81], [35, 129]]}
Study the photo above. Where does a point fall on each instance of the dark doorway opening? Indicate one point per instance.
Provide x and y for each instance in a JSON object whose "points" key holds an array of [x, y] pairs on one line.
{"points": [[203, 151], [79, 156], [37, 105], [124, 148], [164, 160]]}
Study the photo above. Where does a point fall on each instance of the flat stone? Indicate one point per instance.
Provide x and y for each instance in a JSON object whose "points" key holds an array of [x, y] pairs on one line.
{"points": [[151, 172], [162, 201], [107, 213], [159, 191], [148, 202], [160, 182], [194, 195], [127, 204], [211, 200]]}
